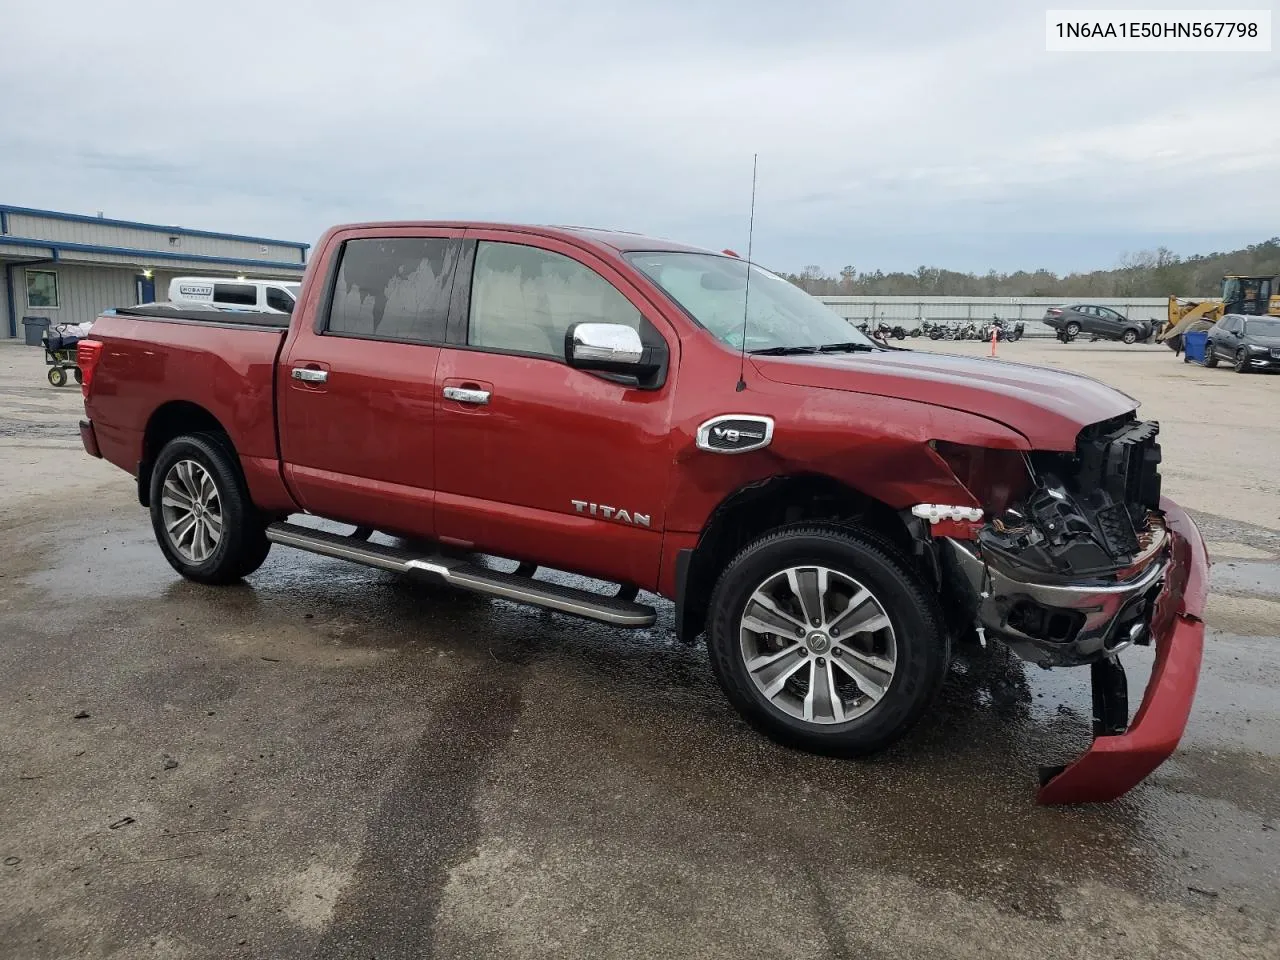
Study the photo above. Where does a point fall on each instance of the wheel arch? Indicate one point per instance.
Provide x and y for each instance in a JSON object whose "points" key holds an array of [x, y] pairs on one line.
{"points": [[169, 420], [758, 507]]}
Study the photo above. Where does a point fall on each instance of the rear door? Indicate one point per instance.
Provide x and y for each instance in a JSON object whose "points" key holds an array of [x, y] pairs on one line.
{"points": [[357, 386], [535, 459]]}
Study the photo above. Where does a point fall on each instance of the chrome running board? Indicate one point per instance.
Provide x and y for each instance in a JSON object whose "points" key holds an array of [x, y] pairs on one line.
{"points": [[616, 611]]}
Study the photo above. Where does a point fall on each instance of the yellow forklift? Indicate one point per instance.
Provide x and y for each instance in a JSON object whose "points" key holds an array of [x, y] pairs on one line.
{"points": [[1252, 296]]}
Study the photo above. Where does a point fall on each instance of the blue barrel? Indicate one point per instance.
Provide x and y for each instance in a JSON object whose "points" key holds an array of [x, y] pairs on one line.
{"points": [[1193, 345]]}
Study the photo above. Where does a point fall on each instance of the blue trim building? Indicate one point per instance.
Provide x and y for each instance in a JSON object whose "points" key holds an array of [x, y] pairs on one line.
{"points": [[68, 267]]}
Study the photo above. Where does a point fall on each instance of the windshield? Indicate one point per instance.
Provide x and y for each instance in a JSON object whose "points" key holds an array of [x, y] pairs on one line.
{"points": [[1263, 328], [712, 289]]}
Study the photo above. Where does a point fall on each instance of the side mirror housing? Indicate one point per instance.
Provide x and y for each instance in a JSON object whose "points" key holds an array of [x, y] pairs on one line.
{"points": [[606, 347]]}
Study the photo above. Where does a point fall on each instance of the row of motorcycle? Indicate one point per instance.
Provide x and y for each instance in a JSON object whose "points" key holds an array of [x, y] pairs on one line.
{"points": [[953, 330]]}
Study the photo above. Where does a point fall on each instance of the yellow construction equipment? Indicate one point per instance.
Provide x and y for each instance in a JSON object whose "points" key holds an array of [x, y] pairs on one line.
{"points": [[1251, 296]]}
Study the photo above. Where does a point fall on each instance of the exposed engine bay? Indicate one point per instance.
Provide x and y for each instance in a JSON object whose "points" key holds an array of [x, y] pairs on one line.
{"points": [[1066, 567]]}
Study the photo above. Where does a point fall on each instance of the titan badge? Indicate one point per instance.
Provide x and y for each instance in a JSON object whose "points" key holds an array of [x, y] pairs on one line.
{"points": [[610, 513]]}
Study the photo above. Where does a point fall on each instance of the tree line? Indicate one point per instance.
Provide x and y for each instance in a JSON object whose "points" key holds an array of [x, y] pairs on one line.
{"points": [[1150, 273]]}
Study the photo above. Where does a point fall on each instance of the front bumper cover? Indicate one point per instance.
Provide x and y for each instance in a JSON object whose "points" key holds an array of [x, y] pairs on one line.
{"points": [[1173, 588], [1115, 764]]}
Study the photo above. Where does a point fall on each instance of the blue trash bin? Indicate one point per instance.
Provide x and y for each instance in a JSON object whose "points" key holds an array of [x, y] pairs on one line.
{"points": [[1193, 344]]}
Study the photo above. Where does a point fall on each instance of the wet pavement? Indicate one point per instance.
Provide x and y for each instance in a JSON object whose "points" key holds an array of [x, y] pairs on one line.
{"points": [[329, 761]]}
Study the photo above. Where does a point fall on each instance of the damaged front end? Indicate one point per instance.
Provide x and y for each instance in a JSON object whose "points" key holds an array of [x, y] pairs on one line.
{"points": [[1075, 557]]}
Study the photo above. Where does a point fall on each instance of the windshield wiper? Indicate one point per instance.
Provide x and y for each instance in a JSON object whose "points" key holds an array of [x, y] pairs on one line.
{"points": [[781, 351], [851, 346]]}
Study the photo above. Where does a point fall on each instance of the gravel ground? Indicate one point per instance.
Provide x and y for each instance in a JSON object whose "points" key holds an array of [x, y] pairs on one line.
{"points": [[327, 762]]}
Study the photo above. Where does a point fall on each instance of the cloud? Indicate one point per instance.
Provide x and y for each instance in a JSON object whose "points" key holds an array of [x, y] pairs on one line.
{"points": [[889, 135]]}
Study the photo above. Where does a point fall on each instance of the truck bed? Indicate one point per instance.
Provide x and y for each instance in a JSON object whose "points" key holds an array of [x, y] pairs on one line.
{"points": [[159, 359]]}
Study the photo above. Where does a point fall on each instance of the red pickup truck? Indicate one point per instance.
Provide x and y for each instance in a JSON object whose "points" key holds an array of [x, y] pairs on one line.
{"points": [[834, 515]]}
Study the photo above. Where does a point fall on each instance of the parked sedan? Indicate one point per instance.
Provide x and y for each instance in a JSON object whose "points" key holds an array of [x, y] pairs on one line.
{"points": [[1102, 322], [1247, 343]]}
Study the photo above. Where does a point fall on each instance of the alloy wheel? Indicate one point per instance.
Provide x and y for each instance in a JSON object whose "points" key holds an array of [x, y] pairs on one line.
{"points": [[818, 645], [192, 511]]}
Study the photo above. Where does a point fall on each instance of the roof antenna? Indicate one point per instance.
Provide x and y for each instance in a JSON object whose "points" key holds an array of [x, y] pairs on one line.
{"points": [[746, 294]]}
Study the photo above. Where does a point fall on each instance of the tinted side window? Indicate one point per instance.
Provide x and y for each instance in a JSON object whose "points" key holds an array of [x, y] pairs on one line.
{"points": [[524, 299], [239, 294], [395, 288], [277, 299]]}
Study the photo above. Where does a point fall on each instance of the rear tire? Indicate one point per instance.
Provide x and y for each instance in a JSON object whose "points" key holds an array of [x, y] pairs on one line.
{"points": [[204, 521], [1072, 330], [838, 695], [57, 376]]}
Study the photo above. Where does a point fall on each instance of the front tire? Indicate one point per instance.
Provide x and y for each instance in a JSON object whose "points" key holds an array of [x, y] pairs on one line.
{"points": [[1242, 361], [57, 376], [1210, 357], [1130, 336], [822, 638], [206, 526]]}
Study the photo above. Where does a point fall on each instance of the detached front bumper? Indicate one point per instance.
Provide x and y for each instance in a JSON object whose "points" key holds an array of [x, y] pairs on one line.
{"points": [[1162, 604], [1115, 764]]}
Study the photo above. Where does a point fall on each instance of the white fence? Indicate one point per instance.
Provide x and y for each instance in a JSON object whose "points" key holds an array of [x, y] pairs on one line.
{"points": [[910, 310]]}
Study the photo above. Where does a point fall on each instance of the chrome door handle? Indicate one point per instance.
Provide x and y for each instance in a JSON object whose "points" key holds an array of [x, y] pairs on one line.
{"points": [[310, 375], [463, 395]]}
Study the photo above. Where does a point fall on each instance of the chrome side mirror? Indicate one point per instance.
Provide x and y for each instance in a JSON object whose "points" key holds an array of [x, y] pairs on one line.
{"points": [[608, 347]]}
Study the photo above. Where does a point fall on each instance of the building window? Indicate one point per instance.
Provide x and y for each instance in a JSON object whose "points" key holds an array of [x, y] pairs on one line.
{"points": [[42, 289]]}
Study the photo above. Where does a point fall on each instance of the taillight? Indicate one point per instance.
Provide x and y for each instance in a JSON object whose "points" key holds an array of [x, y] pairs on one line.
{"points": [[1054, 312], [88, 352]]}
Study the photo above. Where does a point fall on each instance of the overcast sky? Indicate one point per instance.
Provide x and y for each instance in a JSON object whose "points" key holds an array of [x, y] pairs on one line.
{"points": [[890, 134]]}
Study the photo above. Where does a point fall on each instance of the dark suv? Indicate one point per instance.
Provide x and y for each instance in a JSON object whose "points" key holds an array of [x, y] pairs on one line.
{"points": [[1102, 323], [1247, 343]]}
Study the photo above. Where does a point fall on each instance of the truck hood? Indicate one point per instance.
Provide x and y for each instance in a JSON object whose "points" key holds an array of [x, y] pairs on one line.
{"points": [[1048, 407]]}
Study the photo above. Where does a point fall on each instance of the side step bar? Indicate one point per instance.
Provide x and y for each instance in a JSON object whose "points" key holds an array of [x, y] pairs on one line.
{"points": [[617, 611]]}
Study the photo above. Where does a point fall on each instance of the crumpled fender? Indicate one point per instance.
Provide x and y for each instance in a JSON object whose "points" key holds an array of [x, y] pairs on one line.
{"points": [[1113, 765]]}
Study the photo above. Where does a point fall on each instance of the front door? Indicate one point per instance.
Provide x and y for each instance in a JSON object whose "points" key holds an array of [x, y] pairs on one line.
{"points": [[144, 289], [535, 459], [357, 390], [1110, 323]]}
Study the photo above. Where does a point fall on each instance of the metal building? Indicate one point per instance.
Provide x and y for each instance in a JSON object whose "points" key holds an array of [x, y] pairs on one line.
{"points": [[67, 267]]}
